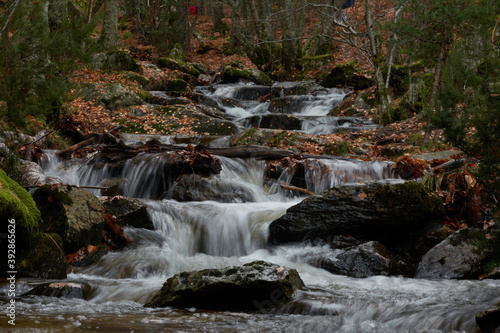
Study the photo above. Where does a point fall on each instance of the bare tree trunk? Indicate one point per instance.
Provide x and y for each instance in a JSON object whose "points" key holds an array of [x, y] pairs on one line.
{"points": [[217, 13], [437, 72], [109, 34], [288, 26]]}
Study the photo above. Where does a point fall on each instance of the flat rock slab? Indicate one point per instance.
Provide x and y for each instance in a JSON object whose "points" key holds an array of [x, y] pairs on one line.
{"points": [[253, 286]]}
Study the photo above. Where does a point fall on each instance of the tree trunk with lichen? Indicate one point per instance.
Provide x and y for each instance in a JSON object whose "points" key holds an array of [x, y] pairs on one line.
{"points": [[109, 34]]}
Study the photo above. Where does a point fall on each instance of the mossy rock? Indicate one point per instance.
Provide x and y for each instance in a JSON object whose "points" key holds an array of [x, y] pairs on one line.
{"points": [[309, 63], [177, 53], [17, 204], [177, 85], [115, 61], [73, 213], [46, 259], [178, 65], [232, 74], [142, 80], [344, 76]]}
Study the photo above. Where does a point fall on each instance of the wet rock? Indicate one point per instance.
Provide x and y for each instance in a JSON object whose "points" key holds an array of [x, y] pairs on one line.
{"points": [[257, 285], [112, 186], [274, 121], [281, 89], [45, 259], [129, 212], [395, 215], [73, 213], [361, 261], [288, 104], [197, 188], [252, 93], [84, 257], [464, 254], [489, 320], [61, 289]]}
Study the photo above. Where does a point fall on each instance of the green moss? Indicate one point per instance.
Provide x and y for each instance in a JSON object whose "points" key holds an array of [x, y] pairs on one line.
{"points": [[46, 259], [133, 127], [284, 137], [16, 203], [177, 85], [145, 96], [50, 201], [338, 148], [173, 64], [143, 81], [409, 201], [242, 138]]}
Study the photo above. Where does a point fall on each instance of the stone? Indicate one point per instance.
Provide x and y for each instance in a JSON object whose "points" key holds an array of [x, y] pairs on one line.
{"points": [[232, 74], [197, 188], [257, 285], [393, 214], [129, 212], [61, 289], [367, 259], [45, 259], [344, 76], [465, 254], [115, 61], [73, 213], [274, 121], [489, 320]]}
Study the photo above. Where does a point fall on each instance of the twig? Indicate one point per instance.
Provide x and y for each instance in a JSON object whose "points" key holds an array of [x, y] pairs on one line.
{"points": [[40, 138], [82, 186]]}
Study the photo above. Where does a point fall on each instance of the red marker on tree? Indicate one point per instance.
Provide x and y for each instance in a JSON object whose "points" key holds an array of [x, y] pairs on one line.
{"points": [[192, 10]]}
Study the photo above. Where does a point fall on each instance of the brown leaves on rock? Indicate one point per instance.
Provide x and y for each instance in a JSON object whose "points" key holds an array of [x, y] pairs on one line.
{"points": [[113, 233], [410, 168]]}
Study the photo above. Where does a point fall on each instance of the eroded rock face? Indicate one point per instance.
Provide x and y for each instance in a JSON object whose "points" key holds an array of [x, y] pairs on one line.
{"points": [[256, 285], [391, 214], [464, 254], [73, 213], [45, 259]]}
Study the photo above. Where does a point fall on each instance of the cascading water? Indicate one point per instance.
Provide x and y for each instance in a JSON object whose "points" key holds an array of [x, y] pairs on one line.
{"points": [[208, 234]]}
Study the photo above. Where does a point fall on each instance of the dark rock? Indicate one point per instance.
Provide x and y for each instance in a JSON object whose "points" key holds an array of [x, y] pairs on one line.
{"points": [[232, 74], [273, 121], [288, 104], [61, 289], [129, 212], [73, 213], [197, 188], [281, 89], [113, 186], [84, 258], [489, 320], [364, 260], [464, 254], [395, 215], [177, 85], [257, 285], [252, 93], [46, 259], [344, 76], [112, 96]]}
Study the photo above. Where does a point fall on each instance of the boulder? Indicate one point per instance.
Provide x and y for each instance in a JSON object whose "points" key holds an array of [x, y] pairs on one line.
{"points": [[465, 254], [344, 76], [367, 259], [45, 259], [173, 64], [61, 289], [489, 320], [273, 121], [197, 188], [112, 96], [393, 214], [232, 74], [252, 93], [129, 212], [115, 61], [112, 186], [73, 213], [281, 89], [288, 104], [256, 285]]}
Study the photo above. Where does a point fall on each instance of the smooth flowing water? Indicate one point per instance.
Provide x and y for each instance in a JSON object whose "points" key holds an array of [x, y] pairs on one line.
{"points": [[208, 234]]}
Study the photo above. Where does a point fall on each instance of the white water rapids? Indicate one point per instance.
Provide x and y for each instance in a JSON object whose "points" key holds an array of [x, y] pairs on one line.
{"points": [[198, 235]]}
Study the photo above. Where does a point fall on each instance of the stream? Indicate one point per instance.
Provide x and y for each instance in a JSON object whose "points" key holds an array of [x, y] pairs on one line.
{"points": [[207, 234]]}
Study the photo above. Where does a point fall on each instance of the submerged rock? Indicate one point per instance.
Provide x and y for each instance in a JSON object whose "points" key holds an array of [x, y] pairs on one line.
{"points": [[61, 289], [394, 214], [464, 254], [73, 213], [257, 285]]}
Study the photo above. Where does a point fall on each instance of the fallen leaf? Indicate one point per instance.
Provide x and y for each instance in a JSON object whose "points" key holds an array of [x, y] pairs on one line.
{"points": [[362, 195]]}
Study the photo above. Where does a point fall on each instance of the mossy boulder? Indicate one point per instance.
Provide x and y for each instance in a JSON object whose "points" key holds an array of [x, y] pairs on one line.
{"points": [[46, 259], [73, 213], [177, 53], [112, 96], [177, 85], [344, 75], [257, 285], [465, 254], [16, 204], [178, 65], [231, 74], [393, 214], [115, 61]]}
